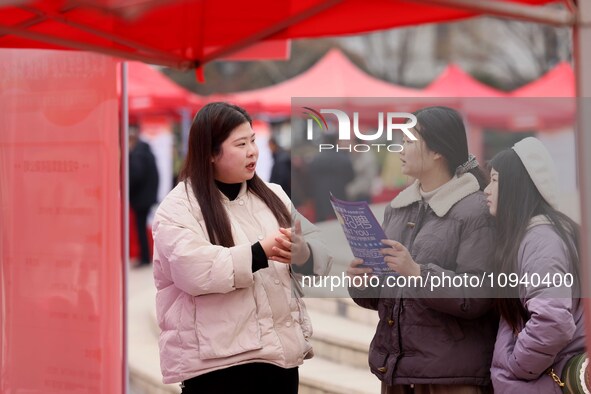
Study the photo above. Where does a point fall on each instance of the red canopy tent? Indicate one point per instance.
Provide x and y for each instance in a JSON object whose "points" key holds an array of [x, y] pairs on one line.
{"points": [[189, 33], [544, 104], [554, 94], [481, 105], [558, 82], [455, 82], [150, 92], [332, 76]]}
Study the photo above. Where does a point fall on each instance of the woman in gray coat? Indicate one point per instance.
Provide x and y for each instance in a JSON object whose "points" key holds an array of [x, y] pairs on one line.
{"points": [[434, 339], [541, 323]]}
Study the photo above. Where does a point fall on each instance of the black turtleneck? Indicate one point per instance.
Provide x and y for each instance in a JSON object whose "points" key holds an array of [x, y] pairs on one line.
{"points": [[259, 258], [230, 190]]}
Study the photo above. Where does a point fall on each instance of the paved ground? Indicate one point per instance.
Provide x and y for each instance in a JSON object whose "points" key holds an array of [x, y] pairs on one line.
{"points": [[135, 390]]}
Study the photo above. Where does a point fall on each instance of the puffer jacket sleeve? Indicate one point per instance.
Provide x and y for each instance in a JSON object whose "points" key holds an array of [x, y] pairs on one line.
{"points": [[321, 256], [474, 258], [551, 325], [194, 264], [366, 298]]}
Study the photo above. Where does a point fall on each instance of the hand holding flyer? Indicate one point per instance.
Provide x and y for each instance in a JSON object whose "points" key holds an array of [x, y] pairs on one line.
{"points": [[363, 233]]}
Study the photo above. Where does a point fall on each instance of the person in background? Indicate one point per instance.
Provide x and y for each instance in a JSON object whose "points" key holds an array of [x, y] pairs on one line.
{"points": [[281, 170], [329, 172], [434, 340], [542, 323], [365, 166], [143, 188], [225, 255]]}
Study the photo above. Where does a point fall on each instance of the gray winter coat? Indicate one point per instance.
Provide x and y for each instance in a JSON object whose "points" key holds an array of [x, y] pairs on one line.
{"points": [[445, 336], [554, 331]]}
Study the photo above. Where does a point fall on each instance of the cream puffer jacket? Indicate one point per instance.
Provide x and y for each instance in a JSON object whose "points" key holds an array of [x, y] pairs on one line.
{"points": [[213, 312]]}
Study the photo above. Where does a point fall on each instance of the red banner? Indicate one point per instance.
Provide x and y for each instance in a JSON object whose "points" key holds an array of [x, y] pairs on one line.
{"points": [[61, 281]]}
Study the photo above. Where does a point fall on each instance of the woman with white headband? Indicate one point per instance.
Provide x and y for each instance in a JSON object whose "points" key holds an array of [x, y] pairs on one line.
{"points": [[541, 325]]}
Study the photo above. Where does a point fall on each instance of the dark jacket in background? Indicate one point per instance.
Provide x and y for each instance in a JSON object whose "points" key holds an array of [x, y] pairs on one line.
{"points": [[281, 170], [143, 177], [446, 336], [329, 172]]}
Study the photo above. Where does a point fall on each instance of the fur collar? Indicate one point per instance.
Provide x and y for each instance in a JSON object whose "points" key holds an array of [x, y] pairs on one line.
{"points": [[449, 194]]}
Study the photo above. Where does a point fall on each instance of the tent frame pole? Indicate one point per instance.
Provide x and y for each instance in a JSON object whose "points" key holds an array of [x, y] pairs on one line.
{"points": [[71, 44], [42, 16], [550, 16], [124, 187], [582, 57]]}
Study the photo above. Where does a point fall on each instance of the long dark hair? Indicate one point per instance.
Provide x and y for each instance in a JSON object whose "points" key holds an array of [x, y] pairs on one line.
{"points": [[443, 131], [518, 202], [211, 127]]}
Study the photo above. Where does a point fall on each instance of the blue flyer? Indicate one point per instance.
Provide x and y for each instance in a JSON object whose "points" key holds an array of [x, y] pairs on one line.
{"points": [[363, 233]]}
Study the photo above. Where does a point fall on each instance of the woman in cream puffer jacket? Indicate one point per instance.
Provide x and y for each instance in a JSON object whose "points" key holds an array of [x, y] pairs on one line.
{"points": [[228, 317]]}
